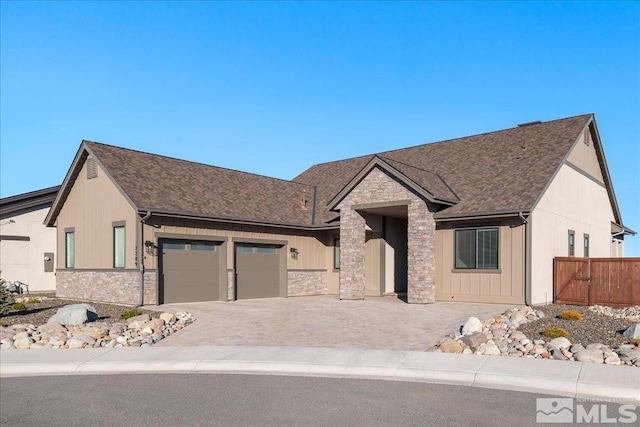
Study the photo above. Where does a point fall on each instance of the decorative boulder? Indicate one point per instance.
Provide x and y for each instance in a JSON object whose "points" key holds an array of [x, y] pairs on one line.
{"points": [[560, 342], [74, 314], [473, 325], [474, 340], [450, 346], [632, 332], [592, 355]]}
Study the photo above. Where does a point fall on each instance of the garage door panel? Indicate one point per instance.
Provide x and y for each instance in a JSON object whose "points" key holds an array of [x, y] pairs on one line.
{"points": [[186, 287], [258, 274], [189, 275], [190, 260]]}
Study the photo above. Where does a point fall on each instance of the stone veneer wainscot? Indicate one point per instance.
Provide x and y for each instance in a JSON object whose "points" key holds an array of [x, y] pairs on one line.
{"points": [[121, 287], [306, 282]]}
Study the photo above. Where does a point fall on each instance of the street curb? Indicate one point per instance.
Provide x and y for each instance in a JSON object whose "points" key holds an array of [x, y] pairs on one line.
{"points": [[558, 378]]}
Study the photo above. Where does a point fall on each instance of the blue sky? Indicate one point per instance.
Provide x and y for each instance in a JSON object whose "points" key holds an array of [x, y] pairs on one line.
{"points": [[273, 88]]}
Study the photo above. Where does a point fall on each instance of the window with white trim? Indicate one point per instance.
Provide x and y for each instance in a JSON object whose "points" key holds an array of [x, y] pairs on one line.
{"points": [[476, 248]]}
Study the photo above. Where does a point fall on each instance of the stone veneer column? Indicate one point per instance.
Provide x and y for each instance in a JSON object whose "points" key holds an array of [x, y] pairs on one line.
{"points": [[421, 260], [352, 240]]}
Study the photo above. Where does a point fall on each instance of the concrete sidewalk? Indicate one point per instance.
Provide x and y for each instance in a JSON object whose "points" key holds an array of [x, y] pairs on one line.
{"points": [[558, 378]]}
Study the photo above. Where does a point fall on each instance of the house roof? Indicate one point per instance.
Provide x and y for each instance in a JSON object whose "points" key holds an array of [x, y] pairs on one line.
{"points": [[164, 184], [28, 201], [502, 171]]}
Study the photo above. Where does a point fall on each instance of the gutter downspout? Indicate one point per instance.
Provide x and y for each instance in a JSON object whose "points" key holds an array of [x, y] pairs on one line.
{"points": [[527, 259], [141, 255]]}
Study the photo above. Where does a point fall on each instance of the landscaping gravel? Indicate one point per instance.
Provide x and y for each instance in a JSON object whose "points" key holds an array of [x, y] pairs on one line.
{"points": [[40, 312], [592, 328]]}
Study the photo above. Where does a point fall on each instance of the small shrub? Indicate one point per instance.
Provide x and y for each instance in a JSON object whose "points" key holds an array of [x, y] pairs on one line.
{"points": [[32, 301], [570, 315], [19, 306], [555, 332], [6, 300], [130, 313]]}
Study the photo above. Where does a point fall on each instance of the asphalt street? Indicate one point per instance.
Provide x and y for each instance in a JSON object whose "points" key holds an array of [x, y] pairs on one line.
{"points": [[253, 400]]}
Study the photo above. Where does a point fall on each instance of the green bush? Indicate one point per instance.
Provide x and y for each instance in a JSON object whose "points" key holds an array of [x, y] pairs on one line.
{"points": [[555, 332], [570, 315], [19, 306], [32, 301], [6, 300], [130, 313]]}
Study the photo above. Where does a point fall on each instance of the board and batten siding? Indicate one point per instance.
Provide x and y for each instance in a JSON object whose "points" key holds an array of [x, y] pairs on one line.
{"points": [[91, 208], [505, 285], [583, 155]]}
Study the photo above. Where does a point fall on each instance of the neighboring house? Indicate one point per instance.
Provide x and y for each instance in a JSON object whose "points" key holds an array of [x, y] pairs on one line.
{"points": [[27, 246], [478, 218]]}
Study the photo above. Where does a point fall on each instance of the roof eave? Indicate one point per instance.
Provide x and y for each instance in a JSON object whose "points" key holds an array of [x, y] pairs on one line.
{"points": [[62, 194], [482, 215], [232, 220]]}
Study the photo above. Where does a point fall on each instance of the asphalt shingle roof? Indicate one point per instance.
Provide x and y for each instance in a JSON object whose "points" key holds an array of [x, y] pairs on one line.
{"points": [[505, 170], [499, 171], [178, 186]]}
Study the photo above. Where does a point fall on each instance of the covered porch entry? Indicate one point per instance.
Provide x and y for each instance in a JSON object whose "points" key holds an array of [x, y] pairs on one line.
{"points": [[385, 251], [387, 234]]}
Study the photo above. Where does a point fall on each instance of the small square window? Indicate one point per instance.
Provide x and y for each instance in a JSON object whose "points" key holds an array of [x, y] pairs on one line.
{"points": [[476, 249]]}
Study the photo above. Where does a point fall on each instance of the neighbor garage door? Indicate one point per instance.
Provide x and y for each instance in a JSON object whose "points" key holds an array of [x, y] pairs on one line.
{"points": [[258, 271], [189, 271]]}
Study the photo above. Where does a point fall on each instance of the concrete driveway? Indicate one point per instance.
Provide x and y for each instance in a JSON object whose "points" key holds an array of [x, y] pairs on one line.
{"points": [[324, 321]]}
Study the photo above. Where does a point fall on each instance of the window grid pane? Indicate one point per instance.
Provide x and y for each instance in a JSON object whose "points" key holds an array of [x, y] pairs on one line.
{"points": [[211, 247], [465, 249], [176, 246], [70, 250], [487, 242], [118, 247], [571, 243], [586, 246], [244, 249], [266, 250]]}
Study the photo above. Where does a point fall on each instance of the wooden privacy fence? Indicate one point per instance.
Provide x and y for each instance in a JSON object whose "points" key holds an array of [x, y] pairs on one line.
{"points": [[588, 281]]}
